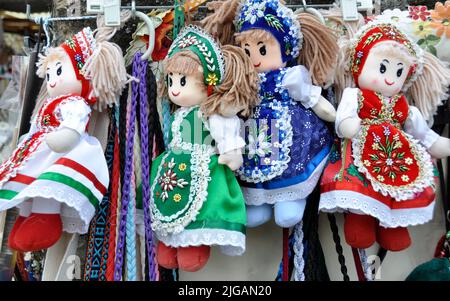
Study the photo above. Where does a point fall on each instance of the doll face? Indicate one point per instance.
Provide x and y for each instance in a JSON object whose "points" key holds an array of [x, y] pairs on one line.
{"points": [[383, 73], [186, 90], [265, 55], [61, 77]]}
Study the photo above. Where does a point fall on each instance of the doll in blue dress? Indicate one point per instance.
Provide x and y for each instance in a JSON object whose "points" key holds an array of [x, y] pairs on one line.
{"points": [[288, 141]]}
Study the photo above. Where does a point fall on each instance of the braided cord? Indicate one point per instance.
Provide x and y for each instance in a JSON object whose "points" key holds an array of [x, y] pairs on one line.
{"points": [[365, 264], [127, 175], [299, 262], [145, 171], [131, 231], [166, 120], [337, 242]]}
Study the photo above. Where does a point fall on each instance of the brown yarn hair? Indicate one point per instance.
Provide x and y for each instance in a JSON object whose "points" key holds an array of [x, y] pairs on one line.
{"points": [[238, 91]]}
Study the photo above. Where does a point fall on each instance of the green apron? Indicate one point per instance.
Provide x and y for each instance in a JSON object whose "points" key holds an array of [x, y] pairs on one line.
{"points": [[194, 199]]}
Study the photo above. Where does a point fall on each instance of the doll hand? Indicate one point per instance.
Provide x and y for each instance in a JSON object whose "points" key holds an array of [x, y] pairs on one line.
{"points": [[440, 149], [349, 128], [232, 159], [325, 110], [63, 140]]}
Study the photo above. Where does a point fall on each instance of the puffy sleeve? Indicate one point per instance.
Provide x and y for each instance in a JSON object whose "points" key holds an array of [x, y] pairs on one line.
{"points": [[417, 127], [226, 132], [299, 84], [348, 108], [74, 114]]}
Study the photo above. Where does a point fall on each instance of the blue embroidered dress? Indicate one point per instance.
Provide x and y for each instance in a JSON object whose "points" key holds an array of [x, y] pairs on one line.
{"points": [[287, 144]]}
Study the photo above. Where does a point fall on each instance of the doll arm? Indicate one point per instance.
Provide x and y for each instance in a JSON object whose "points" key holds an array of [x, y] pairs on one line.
{"points": [[226, 133], [438, 147], [299, 84], [74, 119], [348, 122]]}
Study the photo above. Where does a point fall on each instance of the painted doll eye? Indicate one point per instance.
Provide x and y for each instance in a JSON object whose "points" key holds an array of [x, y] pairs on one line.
{"points": [[169, 79], [183, 81], [59, 71], [399, 72], [247, 51], [263, 50], [48, 77], [382, 68]]}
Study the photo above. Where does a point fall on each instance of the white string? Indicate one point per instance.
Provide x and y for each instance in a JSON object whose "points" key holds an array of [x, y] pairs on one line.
{"points": [[299, 262]]}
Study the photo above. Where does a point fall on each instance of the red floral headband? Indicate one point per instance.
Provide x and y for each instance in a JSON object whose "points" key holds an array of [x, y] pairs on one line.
{"points": [[79, 48], [371, 36]]}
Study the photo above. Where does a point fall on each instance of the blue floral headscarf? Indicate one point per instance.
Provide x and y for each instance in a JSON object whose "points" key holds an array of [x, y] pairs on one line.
{"points": [[274, 17]]}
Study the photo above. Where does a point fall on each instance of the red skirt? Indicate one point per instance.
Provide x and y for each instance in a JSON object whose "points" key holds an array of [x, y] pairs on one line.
{"points": [[344, 188]]}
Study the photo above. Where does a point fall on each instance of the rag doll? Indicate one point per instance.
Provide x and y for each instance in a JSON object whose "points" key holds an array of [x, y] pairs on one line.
{"points": [[384, 176], [196, 201], [57, 175], [288, 141]]}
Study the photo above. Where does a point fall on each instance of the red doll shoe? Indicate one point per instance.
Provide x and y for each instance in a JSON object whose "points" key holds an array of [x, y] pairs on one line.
{"points": [[39, 232]]}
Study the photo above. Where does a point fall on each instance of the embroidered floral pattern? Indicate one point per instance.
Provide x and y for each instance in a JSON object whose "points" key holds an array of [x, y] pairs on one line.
{"points": [[441, 19], [169, 181], [391, 160], [419, 13]]}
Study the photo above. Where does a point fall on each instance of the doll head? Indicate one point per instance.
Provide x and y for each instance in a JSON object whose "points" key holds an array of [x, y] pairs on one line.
{"points": [[270, 34], [85, 65], [274, 37], [219, 80], [383, 59]]}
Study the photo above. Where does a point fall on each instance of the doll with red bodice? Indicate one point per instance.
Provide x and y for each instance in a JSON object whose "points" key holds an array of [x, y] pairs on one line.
{"points": [[57, 175], [382, 175]]}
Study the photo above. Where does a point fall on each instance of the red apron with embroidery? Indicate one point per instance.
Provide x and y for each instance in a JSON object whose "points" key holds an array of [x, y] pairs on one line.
{"points": [[383, 171]]}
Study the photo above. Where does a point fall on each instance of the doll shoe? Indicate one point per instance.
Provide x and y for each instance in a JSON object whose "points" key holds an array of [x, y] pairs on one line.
{"points": [[167, 256], [38, 232], [360, 230], [12, 235], [192, 259], [393, 239]]}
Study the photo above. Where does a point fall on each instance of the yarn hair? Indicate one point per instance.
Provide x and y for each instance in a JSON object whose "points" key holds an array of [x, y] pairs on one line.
{"points": [[238, 90]]}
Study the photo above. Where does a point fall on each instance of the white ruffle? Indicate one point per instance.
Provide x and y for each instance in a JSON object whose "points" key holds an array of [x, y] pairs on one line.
{"points": [[298, 82], [77, 213], [258, 197], [404, 193], [74, 114], [343, 201], [231, 243]]}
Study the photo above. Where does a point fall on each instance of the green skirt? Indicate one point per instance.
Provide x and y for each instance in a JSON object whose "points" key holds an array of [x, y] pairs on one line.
{"points": [[197, 201]]}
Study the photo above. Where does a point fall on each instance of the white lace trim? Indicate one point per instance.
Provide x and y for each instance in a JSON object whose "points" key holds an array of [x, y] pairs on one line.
{"points": [[403, 193], [231, 243], [342, 201], [76, 219], [200, 159], [257, 197], [278, 166]]}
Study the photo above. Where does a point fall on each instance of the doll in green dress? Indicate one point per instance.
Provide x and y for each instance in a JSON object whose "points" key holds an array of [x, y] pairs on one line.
{"points": [[196, 201]]}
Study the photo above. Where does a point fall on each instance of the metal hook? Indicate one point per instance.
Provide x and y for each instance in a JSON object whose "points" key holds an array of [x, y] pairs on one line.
{"points": [[312, 11], [151, 30]]}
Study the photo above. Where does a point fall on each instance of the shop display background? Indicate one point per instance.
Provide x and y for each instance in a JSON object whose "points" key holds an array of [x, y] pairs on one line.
{"points": [[264, 244]]}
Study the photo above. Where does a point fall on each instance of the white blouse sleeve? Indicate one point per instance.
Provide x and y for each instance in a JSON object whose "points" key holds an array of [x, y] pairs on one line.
{"points": [[348, 108], [299, 84], [417, 127], [226, 132], [75, 115]]}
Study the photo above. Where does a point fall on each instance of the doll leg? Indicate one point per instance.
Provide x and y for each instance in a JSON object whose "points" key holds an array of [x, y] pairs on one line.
{"points": [[167, 256], [289, 214], [258, 215], [42, 228], [24, 212], [393, 239], [360, 230], [192, 259]]}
